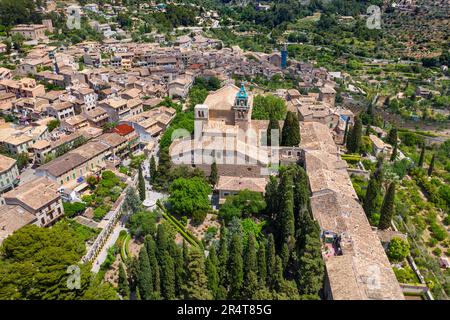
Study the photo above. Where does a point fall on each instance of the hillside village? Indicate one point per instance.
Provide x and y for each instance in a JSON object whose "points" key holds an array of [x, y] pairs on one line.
{"points": [[145, 151]]}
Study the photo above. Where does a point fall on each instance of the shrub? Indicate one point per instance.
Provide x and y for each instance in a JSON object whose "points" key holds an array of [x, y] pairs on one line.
{"points": [[398, 249], [437, 252], [198, 216], [99, 213], [72, 209], [438, 232], [405, 275], [142, 223], [184, 221]]}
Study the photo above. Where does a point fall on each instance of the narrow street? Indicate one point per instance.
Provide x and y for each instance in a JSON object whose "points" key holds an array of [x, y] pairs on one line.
{"points": [[97, 262]]}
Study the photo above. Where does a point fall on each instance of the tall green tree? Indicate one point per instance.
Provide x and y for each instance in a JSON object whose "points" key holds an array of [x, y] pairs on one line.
{"points": [[262, 264], [189, 195], [368, 129], [236, 267], [286, 221], [178, 262], [270, 260], [152, 169], [145, 282], [196, 284], [150, 246], [387, 208], [394, 153], [212, 272], [290, 135], [273, 125], [268, 106], [214, 175], [132, 202], [277, 277], [284, 255], [271, 196], [354, 137], [373, 189], [124, 288], [251, 260], [302, 204], [431, 167], [223, 256], [311, 267], [141, 184], [251, 285], [392, 136], [422, 156], [167, 277], [164, 167]]}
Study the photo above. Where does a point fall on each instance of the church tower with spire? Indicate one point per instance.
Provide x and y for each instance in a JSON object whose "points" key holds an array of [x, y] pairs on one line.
{"points": [[242, 108]]}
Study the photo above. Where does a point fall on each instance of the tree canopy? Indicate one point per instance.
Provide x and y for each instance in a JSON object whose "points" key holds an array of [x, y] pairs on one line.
{"points": [[189, 195]]}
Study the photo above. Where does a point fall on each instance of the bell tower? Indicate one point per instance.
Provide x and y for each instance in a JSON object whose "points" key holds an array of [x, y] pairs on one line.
{"points": [[242, 109]]}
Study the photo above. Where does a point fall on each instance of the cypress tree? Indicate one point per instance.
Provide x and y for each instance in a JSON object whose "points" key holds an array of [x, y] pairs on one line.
{"points": [[212, 272], [302, 203], [196, 284], [311, 267], [221, 293], [368, 129], [152, 169], [290, 135], [392, 136], [145, 283], [251, 285], [273, 125], [141, 184], [185, 255], [124, 288], [286, 208], [133, 272], [235, 267], [251, 260], [422, 156], [372, 191], [278, 274], [370, 113], [185, 252], [162, 241], [354, 138], [150, 246], [431, 167], [378, 173], [262, 265], [387, 208], [346, 131], [214, 176], [223, 256], [177, 255], [167, 277], [270, 260], [271, 196], [164, 166], [284, 255], [394, 153]]}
